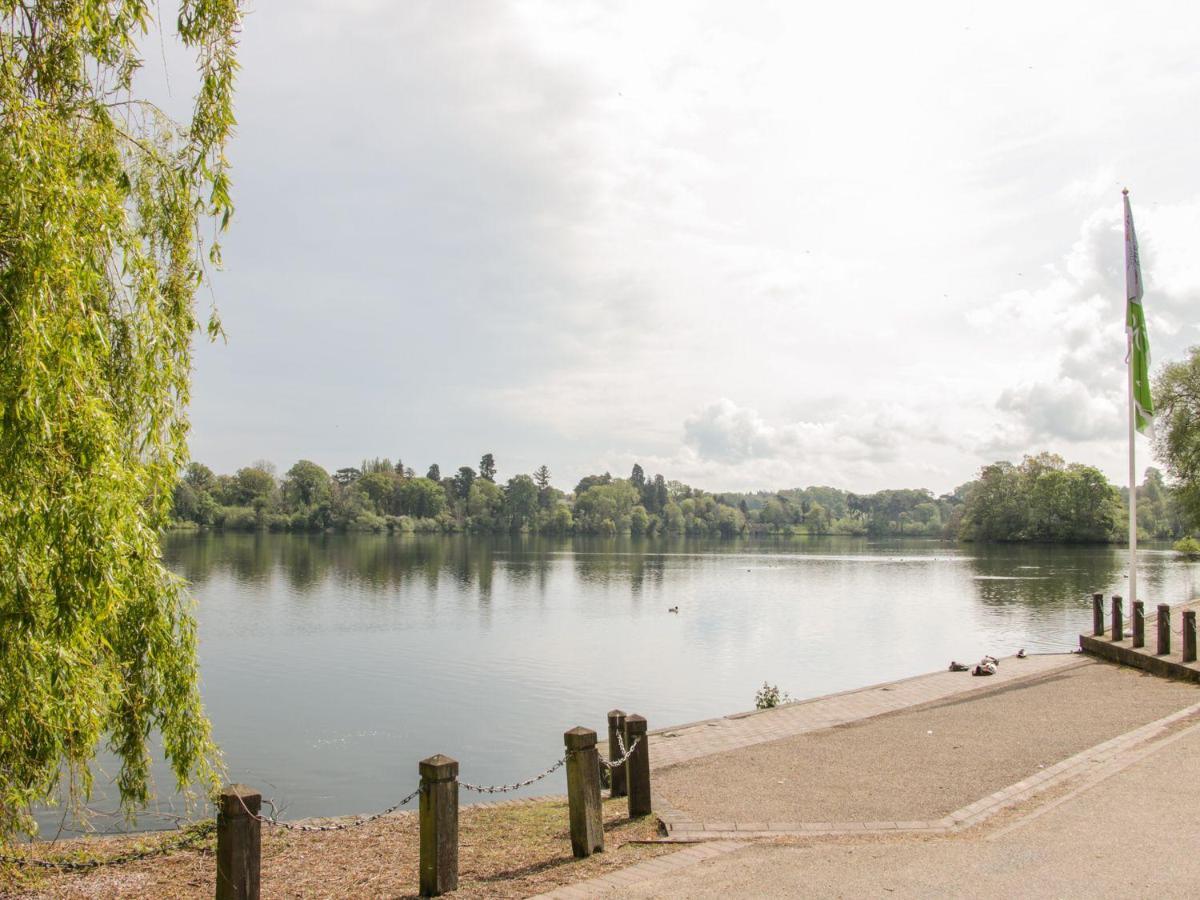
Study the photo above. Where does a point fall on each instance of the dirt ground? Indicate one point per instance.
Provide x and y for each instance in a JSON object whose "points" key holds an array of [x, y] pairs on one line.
{"points": [[505, 851]]}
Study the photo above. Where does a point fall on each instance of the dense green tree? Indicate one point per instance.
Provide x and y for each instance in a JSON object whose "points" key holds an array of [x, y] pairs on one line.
{"points": [[380, 487], [541, 478], [520, 501], [420, 497], [589, 481], [434, 473], [485, 505], [637, 477], [185, 503], [1043, 499], [377, 466], [347, 476], [612, 502], [252, 485], [818, 520], [306, 484], [1177, 402], [200, 477], [463, 481], [995, 508], [487, 467], [102, 202], [660, 494]]}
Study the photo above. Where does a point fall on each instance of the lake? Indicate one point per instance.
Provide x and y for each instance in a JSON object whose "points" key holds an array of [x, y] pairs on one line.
{"points": [[332, 663]]}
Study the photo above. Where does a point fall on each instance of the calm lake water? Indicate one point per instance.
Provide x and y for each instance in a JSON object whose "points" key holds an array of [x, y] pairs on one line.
{"points": [[331, 664]]}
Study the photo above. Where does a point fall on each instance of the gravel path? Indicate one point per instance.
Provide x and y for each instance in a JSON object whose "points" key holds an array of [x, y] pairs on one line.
{"points": [[925, 762]]}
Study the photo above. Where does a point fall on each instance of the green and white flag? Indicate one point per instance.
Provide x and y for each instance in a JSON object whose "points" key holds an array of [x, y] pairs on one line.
{"points": [[1135, 327]]}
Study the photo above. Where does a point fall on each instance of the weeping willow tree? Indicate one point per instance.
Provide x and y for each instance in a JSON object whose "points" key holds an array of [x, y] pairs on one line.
{"points": [[108, 210]]}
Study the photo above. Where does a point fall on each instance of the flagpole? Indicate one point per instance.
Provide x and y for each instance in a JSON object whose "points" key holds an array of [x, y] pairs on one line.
{"points": [[1132, 422], [1132, 485]]}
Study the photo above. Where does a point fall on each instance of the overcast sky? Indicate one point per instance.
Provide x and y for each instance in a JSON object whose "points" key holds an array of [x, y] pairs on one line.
{"points": [[749, 245]]}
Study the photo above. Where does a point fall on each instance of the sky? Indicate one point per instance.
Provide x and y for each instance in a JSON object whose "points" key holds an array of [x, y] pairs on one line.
{"points": [[750, 246]]}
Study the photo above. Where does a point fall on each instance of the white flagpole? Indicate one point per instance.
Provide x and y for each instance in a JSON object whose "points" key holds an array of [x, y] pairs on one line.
{"points": [[1132, 486], [1132, 405]]}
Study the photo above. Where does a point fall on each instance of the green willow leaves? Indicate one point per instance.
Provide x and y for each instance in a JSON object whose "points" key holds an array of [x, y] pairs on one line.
{"points": [[102, 201]]}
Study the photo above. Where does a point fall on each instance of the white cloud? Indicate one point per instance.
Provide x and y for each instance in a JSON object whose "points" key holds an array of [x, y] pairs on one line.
{"points": [[559, 231], [1077, 318]]}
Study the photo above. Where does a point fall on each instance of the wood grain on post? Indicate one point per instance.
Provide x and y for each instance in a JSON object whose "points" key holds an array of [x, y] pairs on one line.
{"points": [[439, 825], [1097, 614], [1189, 636], [583, 792], [1139, 623], [239, 843], [619, 774], [638, 766], [1164, 629], [1118, 626]]}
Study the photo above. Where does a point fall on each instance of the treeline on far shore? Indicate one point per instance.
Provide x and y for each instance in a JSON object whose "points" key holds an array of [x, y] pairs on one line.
{"points": [[1042, 498]]}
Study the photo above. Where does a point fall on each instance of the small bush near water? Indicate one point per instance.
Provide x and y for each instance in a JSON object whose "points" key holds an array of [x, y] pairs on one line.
{"points": [[1189, 546], [769, 696]]}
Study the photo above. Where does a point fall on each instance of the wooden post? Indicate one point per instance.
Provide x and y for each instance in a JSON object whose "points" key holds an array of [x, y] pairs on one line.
{"points": [[619, 774], [439, 825], [1164, 629], [1118, 627], [1189, 636], [1097, 614], [639, 766], [1139, 623], [239, 843], [583, 792]]}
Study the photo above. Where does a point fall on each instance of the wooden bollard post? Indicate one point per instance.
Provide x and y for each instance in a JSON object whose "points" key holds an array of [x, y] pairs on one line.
{"points": [[439, 825], [619, 774], [1164, 629], [1118, 626], [1189, 636], [638, 766], [1097, 614], [583, 792], [1139, 623], [239, 843]]}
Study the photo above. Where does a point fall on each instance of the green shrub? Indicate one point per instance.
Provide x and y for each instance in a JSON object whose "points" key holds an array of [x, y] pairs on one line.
{"points": [[366, 521], [236, 518], [769, 696], [1189, 546]]}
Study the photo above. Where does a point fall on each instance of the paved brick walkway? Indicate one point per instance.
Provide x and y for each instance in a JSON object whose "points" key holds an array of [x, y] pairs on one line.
{"points": [[675, 745], [1082, 771]]}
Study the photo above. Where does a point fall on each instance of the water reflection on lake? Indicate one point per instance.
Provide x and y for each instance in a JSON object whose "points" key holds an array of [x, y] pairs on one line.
{"points": [[332, 663]]}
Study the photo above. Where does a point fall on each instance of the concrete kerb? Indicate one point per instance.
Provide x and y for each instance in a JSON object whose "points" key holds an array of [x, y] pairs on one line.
{"points": [[870, 688]]}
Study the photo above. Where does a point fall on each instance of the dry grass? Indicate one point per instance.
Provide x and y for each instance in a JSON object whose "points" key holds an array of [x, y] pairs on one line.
{"points": [[506, 850]]}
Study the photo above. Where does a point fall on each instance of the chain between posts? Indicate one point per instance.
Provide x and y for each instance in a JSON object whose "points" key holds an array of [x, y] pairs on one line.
{"points": [[625, 754], [193, 835], [208, 828], [340, 826], [508, 788]]}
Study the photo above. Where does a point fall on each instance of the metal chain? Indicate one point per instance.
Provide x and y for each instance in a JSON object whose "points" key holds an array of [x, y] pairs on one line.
{"points": [[507, 788], [340, 826], [625, 754], [185, 841]]}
